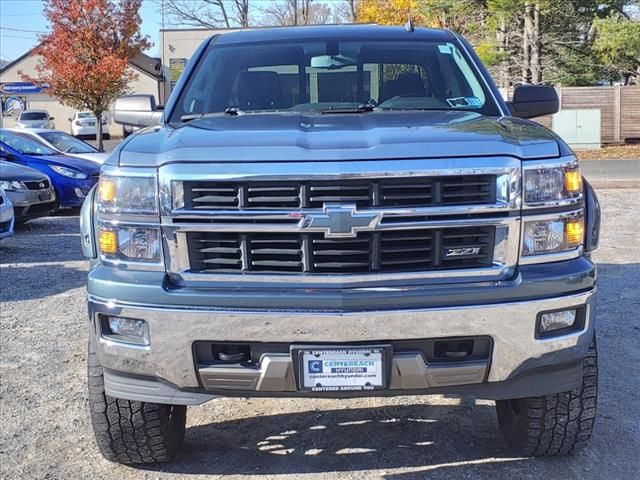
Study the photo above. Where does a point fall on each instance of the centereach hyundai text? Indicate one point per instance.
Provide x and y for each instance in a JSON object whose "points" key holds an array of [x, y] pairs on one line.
{"points": [[340, 211]]}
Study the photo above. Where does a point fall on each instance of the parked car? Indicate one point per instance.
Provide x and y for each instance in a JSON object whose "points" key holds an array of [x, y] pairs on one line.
{"points": [[34, 119], [30, 191], [72, 178], [66, 144], [6, 215], [83, 124]]}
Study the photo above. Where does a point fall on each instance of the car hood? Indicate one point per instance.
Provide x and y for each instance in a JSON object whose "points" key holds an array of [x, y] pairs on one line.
{"points": [[85, 166], [12, 171], [290, 137], [98, 157]]}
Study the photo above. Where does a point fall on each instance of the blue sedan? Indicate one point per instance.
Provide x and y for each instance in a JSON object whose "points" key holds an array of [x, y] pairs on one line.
{"points": [[71, 177]]}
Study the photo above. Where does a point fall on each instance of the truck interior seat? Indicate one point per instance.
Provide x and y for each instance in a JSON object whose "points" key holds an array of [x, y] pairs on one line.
{"points": [[259, 91], [406, 84]]}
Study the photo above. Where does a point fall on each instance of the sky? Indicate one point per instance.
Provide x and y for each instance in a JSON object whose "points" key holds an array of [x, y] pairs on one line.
{"points": [[21, 19]]}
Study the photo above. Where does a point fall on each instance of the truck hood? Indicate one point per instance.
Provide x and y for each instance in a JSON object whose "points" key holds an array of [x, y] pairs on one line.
{"points": [[288, 137]]}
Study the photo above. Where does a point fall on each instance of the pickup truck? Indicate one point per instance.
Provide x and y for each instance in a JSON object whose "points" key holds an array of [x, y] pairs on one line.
{"points": [[340, 211]]}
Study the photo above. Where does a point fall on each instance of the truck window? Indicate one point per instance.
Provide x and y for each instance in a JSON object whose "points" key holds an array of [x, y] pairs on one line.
{"points": [[319, 75]]}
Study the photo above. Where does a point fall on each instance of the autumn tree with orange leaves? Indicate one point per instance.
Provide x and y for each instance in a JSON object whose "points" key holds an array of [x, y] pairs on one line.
{"points": [[84, 57]]}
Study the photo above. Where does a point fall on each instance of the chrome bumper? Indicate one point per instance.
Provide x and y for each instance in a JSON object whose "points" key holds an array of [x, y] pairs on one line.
{"points": [[173, 331]]}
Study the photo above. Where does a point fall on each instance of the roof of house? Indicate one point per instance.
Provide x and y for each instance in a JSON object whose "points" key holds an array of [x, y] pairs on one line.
{"points": [[150, 65]]}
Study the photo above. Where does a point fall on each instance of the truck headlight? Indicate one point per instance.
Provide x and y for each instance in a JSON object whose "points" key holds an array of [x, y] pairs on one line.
{"points": [[132, 195], [552, 184], [553, 235], [130, 243]]}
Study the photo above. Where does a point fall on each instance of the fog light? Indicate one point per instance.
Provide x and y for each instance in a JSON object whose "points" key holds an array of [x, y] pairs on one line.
{"points": [[79, 193], [127, 330], [552, 321]]}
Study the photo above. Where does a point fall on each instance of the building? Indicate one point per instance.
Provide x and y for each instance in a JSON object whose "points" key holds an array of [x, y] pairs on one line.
{"points": [[16, 94], [176, 48]]}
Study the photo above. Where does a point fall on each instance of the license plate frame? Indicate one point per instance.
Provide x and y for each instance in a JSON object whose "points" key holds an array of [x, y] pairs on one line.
{"points": [[380, 354]]}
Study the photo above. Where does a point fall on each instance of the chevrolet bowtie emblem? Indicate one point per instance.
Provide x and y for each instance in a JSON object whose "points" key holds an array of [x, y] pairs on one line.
{"points": [[341, 221]]}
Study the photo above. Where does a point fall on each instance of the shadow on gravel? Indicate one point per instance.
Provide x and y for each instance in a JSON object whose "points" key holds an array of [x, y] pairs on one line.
{"points": [[422, 437], [50, 239], [38, 281]]}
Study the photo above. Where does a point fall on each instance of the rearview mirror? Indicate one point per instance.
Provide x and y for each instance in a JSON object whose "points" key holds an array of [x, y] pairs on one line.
{"points": [[137, 110], [531, 101], [51, 118]]}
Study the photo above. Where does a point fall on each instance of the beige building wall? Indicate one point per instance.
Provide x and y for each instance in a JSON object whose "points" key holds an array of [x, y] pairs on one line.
{"points": [[177, 47], [61, 113]]}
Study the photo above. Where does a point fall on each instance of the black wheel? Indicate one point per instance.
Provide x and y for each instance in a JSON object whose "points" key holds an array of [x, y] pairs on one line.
{"points": [[553, 425], [132, 432]]}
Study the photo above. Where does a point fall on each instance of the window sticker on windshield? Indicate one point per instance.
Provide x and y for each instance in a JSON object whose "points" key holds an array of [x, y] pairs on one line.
{"points": [[445, 49], [464, 102]]}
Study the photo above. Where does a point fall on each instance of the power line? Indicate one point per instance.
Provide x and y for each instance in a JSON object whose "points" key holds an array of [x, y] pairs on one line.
{"points": [[4, 35], [21, 30]]}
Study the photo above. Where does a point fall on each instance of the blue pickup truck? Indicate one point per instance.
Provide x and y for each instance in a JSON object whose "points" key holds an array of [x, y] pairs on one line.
{"points": [[340, 211]]}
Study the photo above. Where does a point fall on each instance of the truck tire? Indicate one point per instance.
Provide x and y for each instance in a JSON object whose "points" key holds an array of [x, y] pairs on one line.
{"points": [[553, 425], [132, 432]]}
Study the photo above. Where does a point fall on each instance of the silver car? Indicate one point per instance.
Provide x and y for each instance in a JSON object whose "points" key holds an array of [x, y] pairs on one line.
{"points": [[35, 119], [29, 190], [64, 143], [6, 215]]}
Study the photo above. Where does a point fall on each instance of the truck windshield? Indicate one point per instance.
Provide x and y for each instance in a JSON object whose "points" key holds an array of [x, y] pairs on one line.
{"points": [[333, 75]]}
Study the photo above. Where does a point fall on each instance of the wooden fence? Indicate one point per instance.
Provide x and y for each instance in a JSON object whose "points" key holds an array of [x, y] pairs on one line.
{"points": [[619, 109]]}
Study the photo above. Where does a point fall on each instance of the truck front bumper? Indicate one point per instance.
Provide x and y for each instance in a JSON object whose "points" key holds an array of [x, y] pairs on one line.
{"points": [[519, 365]]}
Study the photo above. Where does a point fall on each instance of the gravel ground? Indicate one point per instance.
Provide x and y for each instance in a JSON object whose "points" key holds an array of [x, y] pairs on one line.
{"points": [[45, 430]]}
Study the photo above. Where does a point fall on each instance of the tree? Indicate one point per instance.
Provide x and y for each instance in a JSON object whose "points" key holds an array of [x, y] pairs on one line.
{"points": [[300, 12], [207, 13], [617, 45], [84, 58], [390, 12]]}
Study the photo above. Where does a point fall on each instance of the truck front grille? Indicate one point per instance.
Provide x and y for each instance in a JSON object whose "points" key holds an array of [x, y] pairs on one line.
{"points": [[369, 193], [369, 252]]}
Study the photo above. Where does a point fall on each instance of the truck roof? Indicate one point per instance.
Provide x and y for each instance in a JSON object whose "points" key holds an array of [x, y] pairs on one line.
{"points": [[350, 32]]}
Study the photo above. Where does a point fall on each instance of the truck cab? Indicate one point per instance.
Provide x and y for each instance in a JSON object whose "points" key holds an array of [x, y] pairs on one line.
{"points": [[340, 211]]}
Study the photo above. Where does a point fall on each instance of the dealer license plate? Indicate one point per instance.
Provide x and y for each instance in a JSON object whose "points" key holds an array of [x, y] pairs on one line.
{"points": [[342, 369]]}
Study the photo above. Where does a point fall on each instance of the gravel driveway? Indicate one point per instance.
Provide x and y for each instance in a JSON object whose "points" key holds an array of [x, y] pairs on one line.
{"points": [[45, 431]]}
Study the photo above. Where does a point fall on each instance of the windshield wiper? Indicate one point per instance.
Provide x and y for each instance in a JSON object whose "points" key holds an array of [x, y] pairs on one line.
{"points": [[232, 111], [362, 108]]}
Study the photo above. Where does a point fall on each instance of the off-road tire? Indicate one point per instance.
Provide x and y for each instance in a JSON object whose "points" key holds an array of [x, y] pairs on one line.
{"points": [[132, 432], [553, 425]]}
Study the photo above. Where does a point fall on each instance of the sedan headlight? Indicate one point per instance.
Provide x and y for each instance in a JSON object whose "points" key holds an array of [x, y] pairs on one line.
{"points": [[69, 172], [552, 184], [135, 195], [552, 236], [11, 185]]}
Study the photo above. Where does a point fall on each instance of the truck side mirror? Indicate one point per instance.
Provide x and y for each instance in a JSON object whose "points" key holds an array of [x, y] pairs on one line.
{"points": [[531, 101], [138, 110]]}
